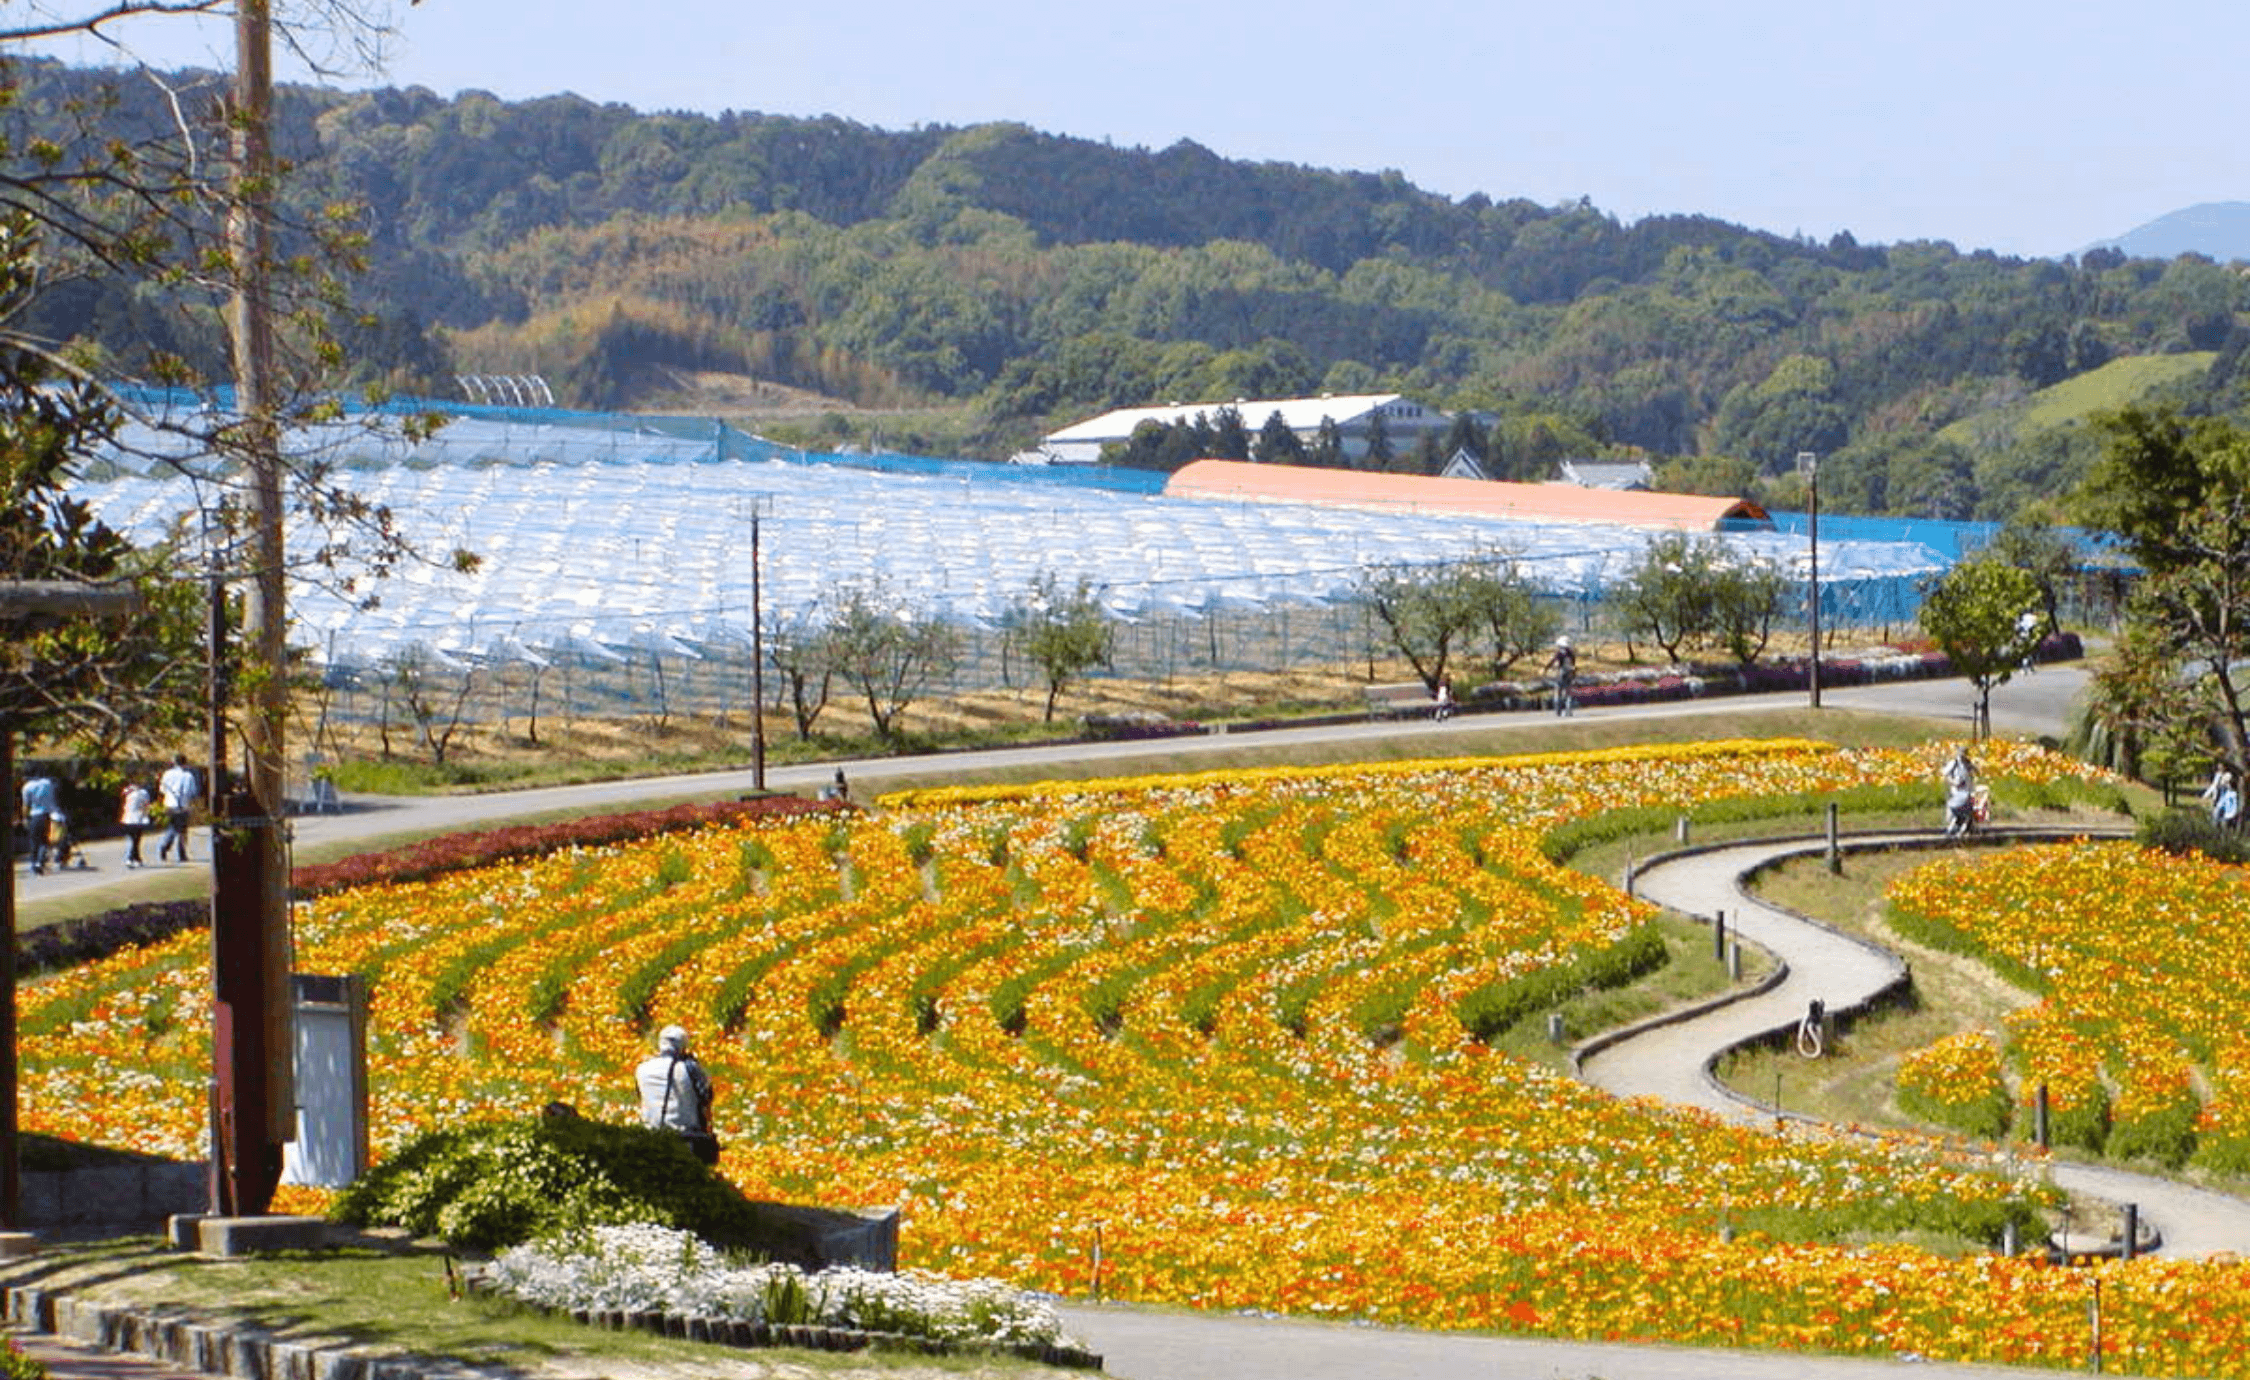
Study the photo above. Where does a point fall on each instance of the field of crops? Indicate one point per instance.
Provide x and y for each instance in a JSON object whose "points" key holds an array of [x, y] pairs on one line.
{"points": [[1226, 1026]]}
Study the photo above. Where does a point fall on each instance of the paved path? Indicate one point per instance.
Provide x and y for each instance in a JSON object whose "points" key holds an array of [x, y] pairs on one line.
{"points": [[1674, 1061], [1155, 1344]]}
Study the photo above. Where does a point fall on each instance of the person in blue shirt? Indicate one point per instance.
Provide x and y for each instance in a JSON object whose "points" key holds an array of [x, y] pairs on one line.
{"points": [[39, 808]]}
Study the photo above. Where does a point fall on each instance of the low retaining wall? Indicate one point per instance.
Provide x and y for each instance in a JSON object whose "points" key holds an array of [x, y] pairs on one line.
{"points": [[111, 1200]]}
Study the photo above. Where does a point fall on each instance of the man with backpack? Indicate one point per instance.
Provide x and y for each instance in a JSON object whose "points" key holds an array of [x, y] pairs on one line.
{"points": [[676, 1094]]}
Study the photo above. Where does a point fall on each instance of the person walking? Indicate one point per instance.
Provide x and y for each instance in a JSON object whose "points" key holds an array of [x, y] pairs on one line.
{"points": [[1563, 666], [2221, 786], [179, 789], [1960, 794], [39, 808], [676, 1093], [133, 816]]}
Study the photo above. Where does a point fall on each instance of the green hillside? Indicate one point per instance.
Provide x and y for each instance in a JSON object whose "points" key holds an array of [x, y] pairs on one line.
{"points": [[964, 290], [2119, 383]]}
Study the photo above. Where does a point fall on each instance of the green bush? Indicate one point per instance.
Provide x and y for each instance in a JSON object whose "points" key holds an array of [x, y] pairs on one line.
{"points": [[2182, 831], [496, 1184], [2165, 1135]]}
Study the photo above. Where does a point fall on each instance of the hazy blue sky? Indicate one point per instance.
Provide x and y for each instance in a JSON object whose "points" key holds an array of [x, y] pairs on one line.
{"points": [[2026, 128]]}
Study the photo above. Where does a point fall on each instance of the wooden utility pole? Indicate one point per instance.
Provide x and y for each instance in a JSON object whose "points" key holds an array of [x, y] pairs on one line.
{"points": [[250, 909]]}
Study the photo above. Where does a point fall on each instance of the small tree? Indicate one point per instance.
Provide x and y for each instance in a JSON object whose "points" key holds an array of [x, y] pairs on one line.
{"points": [[1985, 616], [1426, 610], [800, 654], [435, 693], [1067, 632], [1506, 608], [1746, 596], [1671, 595], [889, 654]]}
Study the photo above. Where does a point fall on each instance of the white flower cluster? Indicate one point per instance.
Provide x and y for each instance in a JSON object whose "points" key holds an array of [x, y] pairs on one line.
{"points": [[649, 1269]]}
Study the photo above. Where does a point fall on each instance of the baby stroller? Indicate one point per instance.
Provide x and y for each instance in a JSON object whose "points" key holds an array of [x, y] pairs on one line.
{"points": [[59, 850]]}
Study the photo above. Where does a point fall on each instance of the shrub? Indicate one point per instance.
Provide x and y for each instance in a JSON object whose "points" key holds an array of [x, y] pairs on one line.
{"points": [[498, 1184], [2183, 831]]}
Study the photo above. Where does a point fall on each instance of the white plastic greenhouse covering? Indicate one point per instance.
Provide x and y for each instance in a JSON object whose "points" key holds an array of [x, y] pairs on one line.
{"points": [[607, 543]]}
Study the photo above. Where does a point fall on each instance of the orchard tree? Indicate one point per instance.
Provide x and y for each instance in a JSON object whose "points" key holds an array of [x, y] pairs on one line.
{"points": [[799, 651], [1506, 610], [1669, 597], [890, 654], [1428, 611], [1987, 618], [1745, 599], [1066, 632]]}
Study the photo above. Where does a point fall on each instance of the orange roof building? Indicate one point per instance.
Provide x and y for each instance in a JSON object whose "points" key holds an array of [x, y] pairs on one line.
{"points": [[1416, 493]]}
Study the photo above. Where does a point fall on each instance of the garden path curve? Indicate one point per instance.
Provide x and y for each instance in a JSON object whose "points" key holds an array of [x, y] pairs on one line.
{"points": [[1674, 1060]]}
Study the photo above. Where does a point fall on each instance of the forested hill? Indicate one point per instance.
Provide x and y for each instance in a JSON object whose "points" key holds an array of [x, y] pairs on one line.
{"points": [[1002, 280]]}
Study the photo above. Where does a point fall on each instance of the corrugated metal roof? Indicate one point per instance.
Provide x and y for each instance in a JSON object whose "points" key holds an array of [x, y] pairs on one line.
{"points": [[1299, 414], [1486, 498]]}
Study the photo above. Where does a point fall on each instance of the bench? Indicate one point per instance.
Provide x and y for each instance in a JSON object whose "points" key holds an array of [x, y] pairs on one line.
{"points": [[1406, 697]]}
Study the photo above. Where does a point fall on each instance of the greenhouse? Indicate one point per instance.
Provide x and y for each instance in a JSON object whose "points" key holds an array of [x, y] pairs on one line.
{"points": [[618, 540]]}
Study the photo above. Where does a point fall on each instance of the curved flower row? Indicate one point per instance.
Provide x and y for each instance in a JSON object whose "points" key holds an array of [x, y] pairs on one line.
{"points": [[2141, 960], [1213, 1022]]}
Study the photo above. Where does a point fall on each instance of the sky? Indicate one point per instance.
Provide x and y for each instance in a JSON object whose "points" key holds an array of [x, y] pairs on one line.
{"points": [[2030, 129]]}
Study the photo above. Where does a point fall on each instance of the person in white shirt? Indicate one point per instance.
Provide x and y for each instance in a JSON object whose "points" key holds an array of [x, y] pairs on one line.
{"points": [[179, 789], [132, 815], [676, 1093]]}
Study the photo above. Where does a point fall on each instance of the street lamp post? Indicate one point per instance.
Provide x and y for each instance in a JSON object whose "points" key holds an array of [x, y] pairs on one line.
{"points": [[1810, 464]]}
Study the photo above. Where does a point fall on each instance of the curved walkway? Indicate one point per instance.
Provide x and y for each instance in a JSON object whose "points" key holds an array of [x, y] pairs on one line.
{"points": [[1674, 1061]]}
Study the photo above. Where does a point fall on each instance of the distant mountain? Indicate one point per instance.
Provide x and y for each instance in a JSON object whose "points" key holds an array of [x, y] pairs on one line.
{"points": [[2217, 229]]}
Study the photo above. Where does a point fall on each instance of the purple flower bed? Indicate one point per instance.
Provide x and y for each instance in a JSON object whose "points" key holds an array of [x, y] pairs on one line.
{"points": [[91, 937], [1650, 686]]}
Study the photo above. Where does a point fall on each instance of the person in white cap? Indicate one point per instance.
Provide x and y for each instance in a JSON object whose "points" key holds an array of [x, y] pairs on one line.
{"points": [[1564, 666], [676, 1093]]}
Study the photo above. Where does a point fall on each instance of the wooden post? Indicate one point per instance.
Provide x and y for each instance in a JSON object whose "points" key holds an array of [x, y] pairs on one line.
{"points": [[1719, 935], [2039, 1116], [1835, 851]]}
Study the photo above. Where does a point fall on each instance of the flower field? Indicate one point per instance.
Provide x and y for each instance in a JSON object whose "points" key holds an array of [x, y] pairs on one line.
{"points": [[1221, 1024], [2142, 963]]}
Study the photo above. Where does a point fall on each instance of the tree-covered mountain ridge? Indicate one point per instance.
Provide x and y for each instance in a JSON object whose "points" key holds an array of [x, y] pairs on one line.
{"points": [[1003, 281]]}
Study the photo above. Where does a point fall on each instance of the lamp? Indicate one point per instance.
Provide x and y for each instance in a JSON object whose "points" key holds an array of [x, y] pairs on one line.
{"points": [[1809, 465]]}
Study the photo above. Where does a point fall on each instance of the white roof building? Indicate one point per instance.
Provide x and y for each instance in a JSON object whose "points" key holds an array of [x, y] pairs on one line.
{"points": [[1404, 421]]}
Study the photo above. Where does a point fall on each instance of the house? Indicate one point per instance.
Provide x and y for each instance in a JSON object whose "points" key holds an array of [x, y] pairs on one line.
{"points": [[1596, 474], [1403, 420], [1463, 465]]}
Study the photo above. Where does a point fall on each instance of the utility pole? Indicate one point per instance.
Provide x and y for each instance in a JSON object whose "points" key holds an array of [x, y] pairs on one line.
{"points": [[757, 657], [252, 1036]]}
